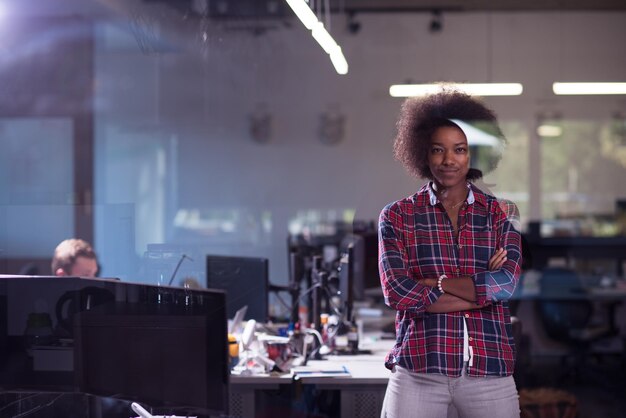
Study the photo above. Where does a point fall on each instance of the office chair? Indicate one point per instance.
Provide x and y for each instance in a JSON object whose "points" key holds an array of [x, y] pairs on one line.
{"points": [[569, 320]]}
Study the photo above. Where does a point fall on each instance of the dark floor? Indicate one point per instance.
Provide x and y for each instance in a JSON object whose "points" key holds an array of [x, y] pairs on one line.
{"points": [[599, 385]]}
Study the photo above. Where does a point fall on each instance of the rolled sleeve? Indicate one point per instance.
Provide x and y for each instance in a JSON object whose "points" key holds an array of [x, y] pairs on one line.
{"points": [[498, 285], [400, 289]]}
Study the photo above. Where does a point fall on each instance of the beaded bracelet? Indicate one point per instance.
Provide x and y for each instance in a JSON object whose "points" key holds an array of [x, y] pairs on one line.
{"points": [[440, 281]]}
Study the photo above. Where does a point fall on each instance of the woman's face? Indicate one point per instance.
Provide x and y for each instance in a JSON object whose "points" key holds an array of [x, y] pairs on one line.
{"points": [[449, 157]]}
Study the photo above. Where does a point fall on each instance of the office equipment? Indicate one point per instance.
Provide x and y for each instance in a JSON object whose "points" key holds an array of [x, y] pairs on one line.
{"points": [[145, 414], [172, 357], [346, 283], [364, 261], [247, 337], [170, 264], [252, 357], [319, 287], [296, 272], [141, 411], [74, 301], [347, 335], [182, 258], [360, 382], [292, 307], [245, 280], [235, 325], [332, 370], [569, 321], [572, 248]]}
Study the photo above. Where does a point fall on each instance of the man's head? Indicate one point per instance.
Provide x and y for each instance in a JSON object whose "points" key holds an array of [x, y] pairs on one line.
{"points": [[74, 257]]}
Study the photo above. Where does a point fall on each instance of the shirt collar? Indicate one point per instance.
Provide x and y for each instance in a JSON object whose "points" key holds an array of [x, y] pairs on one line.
{"points": [[432, 196]]}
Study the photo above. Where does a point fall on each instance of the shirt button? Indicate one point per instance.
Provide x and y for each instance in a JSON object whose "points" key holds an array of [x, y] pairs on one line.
{"points": [[460, 245], [458, 270], [467, 315], [471, 339]]}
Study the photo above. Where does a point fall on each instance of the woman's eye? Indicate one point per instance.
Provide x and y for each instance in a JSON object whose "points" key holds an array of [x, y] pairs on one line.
{"points": [[436, 150], [461, 150]]}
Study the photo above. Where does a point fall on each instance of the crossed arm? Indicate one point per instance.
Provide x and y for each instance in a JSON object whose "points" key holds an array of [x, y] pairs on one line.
{"points": [[460, 294]]}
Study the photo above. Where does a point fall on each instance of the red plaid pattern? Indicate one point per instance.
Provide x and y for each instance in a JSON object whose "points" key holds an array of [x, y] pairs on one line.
{"points": [[416, 241]]}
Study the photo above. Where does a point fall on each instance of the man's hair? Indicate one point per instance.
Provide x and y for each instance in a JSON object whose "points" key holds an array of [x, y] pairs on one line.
{"points": [[68, 251], [421, 117]]}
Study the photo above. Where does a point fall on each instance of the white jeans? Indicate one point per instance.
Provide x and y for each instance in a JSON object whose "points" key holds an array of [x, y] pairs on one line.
{"points": [[421, 395]]}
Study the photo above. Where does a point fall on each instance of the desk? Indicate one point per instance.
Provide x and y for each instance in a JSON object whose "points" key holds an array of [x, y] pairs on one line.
{"points": [[544, 248], [591, 293], [361, 393], [573, 288], [609, 308]]}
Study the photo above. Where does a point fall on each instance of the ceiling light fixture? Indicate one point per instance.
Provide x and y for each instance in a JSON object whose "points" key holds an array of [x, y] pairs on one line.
{"points": [[588, 88], [549, 131], [474, 89], [304, 13], [320, 34]]}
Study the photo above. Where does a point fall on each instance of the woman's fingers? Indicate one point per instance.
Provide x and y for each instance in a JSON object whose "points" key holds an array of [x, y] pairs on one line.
{"points": [[497, 260]]}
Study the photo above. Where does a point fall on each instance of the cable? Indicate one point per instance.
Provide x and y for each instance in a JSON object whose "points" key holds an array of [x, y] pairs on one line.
{"points": [[38, 407], [182, 258]]}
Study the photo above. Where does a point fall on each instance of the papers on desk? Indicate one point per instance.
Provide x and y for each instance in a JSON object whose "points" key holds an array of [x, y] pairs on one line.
{"points": [[320, 371]]}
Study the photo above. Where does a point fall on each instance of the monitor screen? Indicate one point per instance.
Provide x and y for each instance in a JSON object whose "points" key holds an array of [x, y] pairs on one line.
{"points": [[364, 262], [171, 361], [346, 282], [113, 339], [245, 280]]}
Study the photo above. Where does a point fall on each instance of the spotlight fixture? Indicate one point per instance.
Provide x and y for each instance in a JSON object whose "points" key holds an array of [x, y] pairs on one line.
{"points": [[436, 23], [353, 25]]}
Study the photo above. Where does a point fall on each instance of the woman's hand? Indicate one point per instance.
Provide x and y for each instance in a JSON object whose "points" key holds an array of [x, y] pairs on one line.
{"points": [[428, 282], [497, 260]]}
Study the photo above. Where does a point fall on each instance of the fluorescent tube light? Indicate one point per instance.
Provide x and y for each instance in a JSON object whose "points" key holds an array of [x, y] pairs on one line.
{"points": [[339, 61], [321, 35], [304, 13], [588, 88], [474, 89]]}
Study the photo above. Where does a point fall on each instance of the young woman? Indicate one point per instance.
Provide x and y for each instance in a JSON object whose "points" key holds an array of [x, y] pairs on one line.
{"points": [[449, 258]]}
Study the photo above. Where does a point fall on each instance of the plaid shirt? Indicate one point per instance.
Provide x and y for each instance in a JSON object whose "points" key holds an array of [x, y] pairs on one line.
{"points": [[416, 241]]}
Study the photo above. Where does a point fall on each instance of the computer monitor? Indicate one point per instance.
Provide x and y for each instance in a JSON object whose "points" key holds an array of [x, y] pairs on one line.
{"points": [[171, 358], [346, 282], [364, 261], [245, 280]]}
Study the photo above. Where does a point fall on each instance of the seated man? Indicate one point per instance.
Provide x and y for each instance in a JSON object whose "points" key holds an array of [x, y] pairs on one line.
{"points": [[74, 257]]}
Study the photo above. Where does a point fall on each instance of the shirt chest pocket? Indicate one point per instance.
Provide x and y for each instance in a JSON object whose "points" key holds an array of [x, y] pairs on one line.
{"points": [[482, 241]]}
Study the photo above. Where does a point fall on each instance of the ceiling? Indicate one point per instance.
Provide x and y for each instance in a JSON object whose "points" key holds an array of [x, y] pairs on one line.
{"points": [[476, 5], [279, 8]]}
